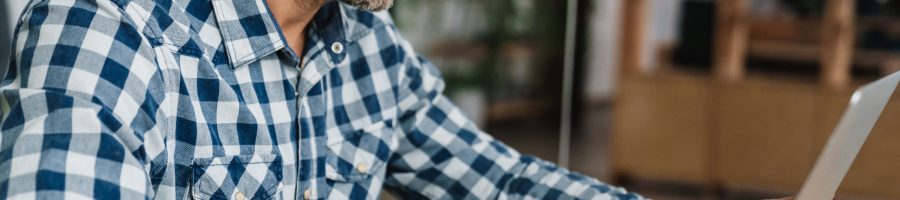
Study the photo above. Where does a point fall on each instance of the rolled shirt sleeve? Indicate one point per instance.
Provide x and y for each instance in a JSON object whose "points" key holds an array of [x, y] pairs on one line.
{"points": [[442, 155], [76, 105]]}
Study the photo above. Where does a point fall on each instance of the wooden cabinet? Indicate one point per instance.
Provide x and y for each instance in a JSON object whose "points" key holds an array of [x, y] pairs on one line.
{"points": [[753, 133], [730, 128], [661, 125], [763, 132]]}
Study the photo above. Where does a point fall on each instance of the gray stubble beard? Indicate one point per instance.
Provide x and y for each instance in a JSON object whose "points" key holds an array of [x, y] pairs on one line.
{"points": [[370, 5]]}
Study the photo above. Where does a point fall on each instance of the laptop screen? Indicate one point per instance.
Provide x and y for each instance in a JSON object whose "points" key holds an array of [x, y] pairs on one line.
{"points": [[847, 138]]}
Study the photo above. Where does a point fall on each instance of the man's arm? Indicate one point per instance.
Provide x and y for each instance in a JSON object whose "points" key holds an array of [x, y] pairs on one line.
{"points": [[76, 105], [442, 155]]}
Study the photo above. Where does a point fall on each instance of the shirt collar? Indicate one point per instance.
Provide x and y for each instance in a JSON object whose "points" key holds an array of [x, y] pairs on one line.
{"points": [[250, 32], [340, 24], [328, 27]]}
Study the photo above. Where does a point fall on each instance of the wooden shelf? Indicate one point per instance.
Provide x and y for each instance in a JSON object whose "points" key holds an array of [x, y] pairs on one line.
{"points": [[884, 61]]}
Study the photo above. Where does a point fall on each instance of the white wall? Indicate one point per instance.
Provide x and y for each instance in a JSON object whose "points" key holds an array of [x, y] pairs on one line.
{"points": [[13, 10], [603, 56], [603, 51]]}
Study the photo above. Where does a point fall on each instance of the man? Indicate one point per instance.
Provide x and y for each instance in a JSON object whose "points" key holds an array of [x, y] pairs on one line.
{"points": [[244, 99]]}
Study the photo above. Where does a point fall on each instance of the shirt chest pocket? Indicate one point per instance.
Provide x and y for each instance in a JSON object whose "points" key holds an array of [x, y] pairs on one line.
{"points": [[237, 177], [360, 154]]}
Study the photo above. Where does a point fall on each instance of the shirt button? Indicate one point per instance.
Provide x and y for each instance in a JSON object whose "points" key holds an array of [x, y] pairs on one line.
{"points": [[362, 168], [307, 194], [337, 47], [239, 196]]}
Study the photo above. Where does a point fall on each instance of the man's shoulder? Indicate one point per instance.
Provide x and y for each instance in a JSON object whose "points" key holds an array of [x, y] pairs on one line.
{"points": [[140, 14]]}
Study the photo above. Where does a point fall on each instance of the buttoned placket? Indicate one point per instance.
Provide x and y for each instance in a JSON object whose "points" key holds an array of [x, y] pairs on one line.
{"points": [[302, 118], [326, 49]]}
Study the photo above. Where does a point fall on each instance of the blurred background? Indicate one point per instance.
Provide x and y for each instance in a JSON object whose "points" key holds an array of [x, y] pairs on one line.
{"points": [[674, 99]]}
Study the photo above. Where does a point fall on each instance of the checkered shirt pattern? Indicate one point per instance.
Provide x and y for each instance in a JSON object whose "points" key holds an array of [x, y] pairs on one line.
{"points": [[202, 99]]}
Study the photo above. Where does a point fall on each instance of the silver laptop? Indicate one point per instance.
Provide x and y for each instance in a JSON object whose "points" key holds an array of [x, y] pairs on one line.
{"points": [[848, 137]]}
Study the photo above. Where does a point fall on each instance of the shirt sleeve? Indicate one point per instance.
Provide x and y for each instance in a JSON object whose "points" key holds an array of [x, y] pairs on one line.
{"points": [[442, 155], [76, 105]]}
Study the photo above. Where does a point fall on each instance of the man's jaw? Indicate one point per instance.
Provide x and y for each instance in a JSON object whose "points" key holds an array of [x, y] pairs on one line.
{"points": [[370, 5]]}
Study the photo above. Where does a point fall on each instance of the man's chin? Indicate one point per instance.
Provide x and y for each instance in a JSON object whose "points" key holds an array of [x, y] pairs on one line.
{"points": [[370, 5]]}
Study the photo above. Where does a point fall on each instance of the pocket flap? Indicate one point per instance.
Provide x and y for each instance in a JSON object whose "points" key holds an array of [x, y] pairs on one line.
{"points": [[252, 176], [359, 154]]}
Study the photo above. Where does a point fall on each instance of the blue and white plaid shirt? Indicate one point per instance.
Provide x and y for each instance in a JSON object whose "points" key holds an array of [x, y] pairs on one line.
{"points": [[202, 99]]}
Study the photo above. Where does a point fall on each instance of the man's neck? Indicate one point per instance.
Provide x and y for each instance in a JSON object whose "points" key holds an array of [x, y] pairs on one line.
{"points": [[293, 17]]}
